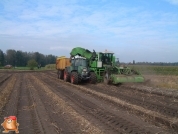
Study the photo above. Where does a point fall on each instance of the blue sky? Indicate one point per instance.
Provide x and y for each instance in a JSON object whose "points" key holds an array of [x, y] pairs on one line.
{"points": [[140, 30]]}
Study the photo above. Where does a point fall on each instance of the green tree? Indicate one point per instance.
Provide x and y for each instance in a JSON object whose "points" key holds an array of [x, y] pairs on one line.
{"points": [[2, 58], [37, 57], [11, 57], [50, 59], [19, 58], [25, 58], [32, 63]]}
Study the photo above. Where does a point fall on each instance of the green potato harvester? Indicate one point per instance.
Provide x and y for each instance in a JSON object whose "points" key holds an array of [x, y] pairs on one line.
{"points": [[96, 67]]}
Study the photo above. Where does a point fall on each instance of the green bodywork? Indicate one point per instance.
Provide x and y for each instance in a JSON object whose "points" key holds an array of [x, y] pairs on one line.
{"points": [[124, 74], [82, 52], [80, 66], [104, 66]]}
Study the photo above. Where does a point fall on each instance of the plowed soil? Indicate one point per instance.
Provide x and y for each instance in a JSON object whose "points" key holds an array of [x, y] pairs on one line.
{"points": [[44, 104]]}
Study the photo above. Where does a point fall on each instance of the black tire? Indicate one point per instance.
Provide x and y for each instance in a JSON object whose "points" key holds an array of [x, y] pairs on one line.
{"points": [[93, 78], [74, 78], [66, 76], [60, 74]]}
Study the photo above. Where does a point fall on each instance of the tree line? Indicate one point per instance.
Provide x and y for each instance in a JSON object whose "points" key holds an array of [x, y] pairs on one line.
{"points": [[20, 59], [158, 63], [148, 63]]}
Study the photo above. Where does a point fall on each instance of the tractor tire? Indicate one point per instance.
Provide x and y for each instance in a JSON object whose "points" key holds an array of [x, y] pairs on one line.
{"points": [[93, 78], [66, 76], [74, 78], [60, 74]]}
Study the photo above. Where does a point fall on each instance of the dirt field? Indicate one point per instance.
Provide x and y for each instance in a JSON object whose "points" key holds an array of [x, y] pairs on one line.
{"points": [[44, 104]]}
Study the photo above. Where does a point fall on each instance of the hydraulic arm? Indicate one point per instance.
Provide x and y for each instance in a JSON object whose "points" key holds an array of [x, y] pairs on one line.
{"points": [[83, 53]]}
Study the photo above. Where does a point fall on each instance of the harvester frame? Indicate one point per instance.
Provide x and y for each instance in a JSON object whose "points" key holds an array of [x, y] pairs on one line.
{"points": [[101, 67]]}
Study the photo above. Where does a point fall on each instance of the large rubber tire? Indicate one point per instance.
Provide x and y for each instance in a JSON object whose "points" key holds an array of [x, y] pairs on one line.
{"points": [[74, 78], [66, 76], [60, 74], [93, 78]]}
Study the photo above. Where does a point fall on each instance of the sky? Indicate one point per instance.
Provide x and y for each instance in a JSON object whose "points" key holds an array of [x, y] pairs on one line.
{"points": [[140, 30]]}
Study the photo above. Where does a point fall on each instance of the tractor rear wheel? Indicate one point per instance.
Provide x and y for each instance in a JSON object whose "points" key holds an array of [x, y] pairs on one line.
{"points": [[74, 78], [93, 78], [66, 76], [60, 74]]}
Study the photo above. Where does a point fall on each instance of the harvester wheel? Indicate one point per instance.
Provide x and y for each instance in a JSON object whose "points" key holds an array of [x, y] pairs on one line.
{"points": [[106, 78], [66, 76], [93, 78], [60, 74], [74, 78]]}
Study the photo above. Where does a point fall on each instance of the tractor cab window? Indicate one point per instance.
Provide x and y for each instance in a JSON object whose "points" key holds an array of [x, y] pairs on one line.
{"points": [[107, 58], [72, 61], [83, 62], [80, 62]]}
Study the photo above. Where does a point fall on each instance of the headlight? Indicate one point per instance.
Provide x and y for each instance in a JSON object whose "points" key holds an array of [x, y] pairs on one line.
{"points": [[84, 69]]}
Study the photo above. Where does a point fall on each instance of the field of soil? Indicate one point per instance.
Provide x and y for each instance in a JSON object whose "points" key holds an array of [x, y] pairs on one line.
{"points": [[44, 104]]}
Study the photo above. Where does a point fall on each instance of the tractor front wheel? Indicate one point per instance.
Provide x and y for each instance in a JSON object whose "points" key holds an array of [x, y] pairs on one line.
{"points": [[74, 78], [93, 78]]}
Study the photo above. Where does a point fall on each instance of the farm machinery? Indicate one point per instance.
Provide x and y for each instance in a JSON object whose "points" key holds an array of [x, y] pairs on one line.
{"points": [[94, 67]]}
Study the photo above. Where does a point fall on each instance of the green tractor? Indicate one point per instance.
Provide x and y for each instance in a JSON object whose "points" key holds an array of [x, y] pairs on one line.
{"points": [[79, 71], [98, 67]]}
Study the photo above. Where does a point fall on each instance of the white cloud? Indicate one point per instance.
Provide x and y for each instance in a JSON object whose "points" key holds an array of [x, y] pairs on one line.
{"points": [[60, 26], [174, 2]]}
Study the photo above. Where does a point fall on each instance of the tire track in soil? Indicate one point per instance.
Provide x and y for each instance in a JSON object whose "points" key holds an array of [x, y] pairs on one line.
{"points": [[6, 90], [41, 110], [147, 101], [169, 122], [169, 93], [65, 119], [25, 107], [23, 103], [145, 92], [118, 123], [11, 106], [28, 117], [163, 114], [4, 78]]}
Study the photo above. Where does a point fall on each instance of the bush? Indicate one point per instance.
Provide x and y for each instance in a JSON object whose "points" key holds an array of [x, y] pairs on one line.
{"points": [[32, 64], [50, 66]]}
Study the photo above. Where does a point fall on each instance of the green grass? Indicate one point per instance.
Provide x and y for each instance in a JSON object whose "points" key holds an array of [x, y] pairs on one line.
{"points": [[47, 67], [51, 66], [143, 69], [160, 70]]}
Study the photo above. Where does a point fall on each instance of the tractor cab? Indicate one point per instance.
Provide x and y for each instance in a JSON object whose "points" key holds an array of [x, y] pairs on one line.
{"points": [[80, 66], [107, 58], [78, 62]]}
